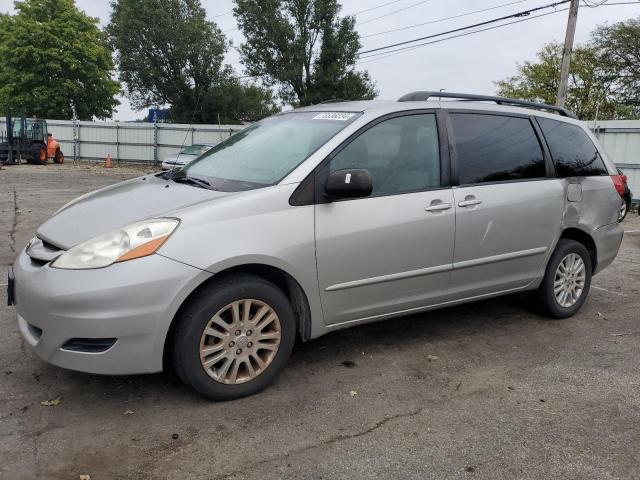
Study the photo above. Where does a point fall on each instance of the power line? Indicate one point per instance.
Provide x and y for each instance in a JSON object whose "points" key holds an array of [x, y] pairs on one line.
{"points": [[442, 19], [487, 22], [375, 8], [394, 12], [381, 55], [223, 14]]}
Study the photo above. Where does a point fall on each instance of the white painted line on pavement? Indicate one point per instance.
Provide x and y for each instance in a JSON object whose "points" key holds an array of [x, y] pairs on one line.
{"points": [[609, 291]]}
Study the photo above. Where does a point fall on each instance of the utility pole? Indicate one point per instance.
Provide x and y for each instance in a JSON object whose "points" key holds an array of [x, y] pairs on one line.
{"points": [[566, 53]]}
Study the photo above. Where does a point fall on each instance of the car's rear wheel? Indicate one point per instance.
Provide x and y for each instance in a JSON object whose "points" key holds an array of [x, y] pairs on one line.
{"points": [[567, 279], [234, 338]]}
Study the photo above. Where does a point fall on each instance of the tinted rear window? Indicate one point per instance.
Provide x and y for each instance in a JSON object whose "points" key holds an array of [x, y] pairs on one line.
{"points": [[493, 148], [573, 152]]}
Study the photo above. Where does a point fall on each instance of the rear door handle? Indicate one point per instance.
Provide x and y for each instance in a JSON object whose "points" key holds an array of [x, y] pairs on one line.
{"points": [[469, 203], [437, 207]]}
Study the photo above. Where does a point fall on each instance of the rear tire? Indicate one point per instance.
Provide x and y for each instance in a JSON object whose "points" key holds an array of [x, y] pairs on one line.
{"points": [[59, 157], [567, 280], [224, 350]]}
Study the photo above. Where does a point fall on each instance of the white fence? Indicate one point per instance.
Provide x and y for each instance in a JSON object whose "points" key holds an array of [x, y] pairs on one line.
{"points": [[621, 140], [134, 142], [152, 142]]}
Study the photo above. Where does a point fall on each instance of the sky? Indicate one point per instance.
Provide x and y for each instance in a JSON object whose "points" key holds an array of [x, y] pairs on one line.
{"points": [[467, 64]]}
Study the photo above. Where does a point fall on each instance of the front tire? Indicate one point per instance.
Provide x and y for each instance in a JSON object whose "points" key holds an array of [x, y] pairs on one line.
{"points": [[567, 280], [234, 337], [39, 156]]}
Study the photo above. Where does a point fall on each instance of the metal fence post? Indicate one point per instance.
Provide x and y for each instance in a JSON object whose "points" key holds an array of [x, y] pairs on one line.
{"points": [[193, 131], [118, 142], [155, 143], [77, 152]]}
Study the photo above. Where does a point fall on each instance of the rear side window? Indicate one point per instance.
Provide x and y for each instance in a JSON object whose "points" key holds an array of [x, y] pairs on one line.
{"points": [[494, 148], [572, 151]]}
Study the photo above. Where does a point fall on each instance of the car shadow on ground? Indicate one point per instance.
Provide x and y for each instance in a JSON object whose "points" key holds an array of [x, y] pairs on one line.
{"points": [[341, 349]]}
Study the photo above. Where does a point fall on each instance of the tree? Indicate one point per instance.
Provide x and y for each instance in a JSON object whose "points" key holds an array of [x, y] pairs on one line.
{"points": [[52, 55], [170, 54], [591, 89], [618, 47], [304, 47]]}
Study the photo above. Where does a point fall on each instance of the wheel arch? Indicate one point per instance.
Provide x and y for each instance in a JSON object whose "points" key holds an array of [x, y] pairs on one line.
{"points": [[279, 277], [585, 239]]}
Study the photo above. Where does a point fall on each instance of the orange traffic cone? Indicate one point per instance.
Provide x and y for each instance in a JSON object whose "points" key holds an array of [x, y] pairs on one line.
{"points": [[108, 163]]}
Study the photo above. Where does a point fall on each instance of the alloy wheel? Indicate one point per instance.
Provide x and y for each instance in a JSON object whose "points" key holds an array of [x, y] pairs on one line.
{"points": [[240, 341], [569, 280], [623, 210]]}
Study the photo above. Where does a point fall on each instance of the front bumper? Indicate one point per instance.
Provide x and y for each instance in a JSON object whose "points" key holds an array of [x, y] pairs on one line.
{"points": [[133, 302]]}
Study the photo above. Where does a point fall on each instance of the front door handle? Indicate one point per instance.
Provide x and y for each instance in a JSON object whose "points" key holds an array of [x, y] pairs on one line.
{"points": [[469, 203], [437, 207]]}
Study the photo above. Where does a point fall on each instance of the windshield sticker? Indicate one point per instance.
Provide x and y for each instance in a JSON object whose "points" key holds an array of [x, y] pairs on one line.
{"points": [[340, 116]]}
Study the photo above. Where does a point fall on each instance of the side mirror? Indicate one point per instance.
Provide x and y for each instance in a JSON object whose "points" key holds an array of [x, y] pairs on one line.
{"points": [[349, 183]]}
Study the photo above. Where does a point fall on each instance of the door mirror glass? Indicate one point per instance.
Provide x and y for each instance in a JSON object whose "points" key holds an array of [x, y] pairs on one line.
{"points": [[349, 183]]}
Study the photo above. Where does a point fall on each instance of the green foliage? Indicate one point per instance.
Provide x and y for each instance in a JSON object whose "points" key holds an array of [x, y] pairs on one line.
{"points": [[170, 54], [604, 79], [52, 54], [303, 47], [590, 91], [618, 48]]}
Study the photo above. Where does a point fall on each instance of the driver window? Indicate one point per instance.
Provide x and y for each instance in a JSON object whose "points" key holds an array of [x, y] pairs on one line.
{"points": [[401, 154]]}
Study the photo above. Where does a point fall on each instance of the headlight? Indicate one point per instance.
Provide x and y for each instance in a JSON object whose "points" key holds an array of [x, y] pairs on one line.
{"points": [[133, 241]]}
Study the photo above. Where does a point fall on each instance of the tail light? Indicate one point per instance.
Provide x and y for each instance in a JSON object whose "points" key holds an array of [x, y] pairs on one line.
{"points": [[624, 178], [618, 183]]}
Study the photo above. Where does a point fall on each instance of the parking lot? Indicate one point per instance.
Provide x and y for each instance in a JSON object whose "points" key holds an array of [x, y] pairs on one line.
{"points": [[485, 390]]}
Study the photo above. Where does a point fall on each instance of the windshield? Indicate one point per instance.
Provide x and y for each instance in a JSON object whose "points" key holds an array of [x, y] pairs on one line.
{"points": [[196, 149], [35, 129], [264, 153]]}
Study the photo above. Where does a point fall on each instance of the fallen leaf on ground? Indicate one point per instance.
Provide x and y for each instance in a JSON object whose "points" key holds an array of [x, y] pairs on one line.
{"points": [[129, 412], [353, 393], [51, 403], [431, 358]]}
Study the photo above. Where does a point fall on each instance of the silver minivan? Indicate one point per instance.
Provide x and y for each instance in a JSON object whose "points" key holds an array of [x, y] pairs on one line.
{"points": [[314, 220]]}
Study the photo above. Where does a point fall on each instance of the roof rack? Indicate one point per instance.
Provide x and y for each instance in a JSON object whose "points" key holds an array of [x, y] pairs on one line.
{"points": [[424, 96]]}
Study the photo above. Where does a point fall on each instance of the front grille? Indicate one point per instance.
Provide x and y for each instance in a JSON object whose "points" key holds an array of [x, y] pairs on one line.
{"points": [[89, 345]]}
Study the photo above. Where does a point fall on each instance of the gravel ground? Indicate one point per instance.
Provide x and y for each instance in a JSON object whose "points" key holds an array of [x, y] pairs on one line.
{"points": [[486, 390]]}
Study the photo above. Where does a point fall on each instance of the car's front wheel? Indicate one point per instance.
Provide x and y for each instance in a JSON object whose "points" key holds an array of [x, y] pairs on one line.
{"points": [[234, 338], [567, 279]]}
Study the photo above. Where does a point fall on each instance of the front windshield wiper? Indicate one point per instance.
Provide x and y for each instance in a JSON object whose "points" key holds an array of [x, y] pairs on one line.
{"points": [[198, 182]]}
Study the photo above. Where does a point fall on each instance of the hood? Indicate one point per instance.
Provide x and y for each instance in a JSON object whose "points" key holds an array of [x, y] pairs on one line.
{"points": [[119, 205], [180, 157]]}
